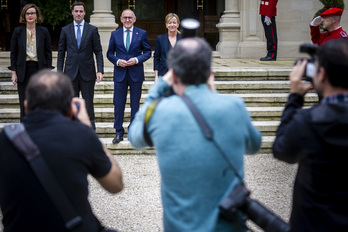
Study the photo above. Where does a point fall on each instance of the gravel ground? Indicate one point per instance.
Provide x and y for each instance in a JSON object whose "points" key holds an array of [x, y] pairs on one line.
{"points": [[138, 206]]}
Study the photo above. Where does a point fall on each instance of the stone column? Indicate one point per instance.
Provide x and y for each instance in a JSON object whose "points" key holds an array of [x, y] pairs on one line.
{"points": [[229, 30], [105, 21], [252, 42]]}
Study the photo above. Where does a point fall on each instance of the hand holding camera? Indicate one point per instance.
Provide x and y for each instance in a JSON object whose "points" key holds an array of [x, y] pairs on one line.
{"points": [[304, 69], [79, 111], [295, 77]]}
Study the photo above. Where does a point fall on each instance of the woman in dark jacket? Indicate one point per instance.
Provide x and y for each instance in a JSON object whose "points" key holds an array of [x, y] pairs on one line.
{"points": [[30, 50], [164, 43]]}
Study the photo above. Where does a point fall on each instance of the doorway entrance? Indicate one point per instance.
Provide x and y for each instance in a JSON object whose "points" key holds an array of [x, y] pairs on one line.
{"points": [[151, 13]]}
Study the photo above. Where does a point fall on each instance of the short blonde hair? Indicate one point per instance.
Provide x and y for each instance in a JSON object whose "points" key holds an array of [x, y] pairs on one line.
{"points": [[25, 8]]}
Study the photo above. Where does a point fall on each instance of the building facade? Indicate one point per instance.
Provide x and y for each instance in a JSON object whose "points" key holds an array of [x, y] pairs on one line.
{"points": [[232, 27]]}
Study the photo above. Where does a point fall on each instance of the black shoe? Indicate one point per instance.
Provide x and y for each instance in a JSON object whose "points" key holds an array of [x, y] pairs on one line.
{"points": [[267, 58], [117, 139]]}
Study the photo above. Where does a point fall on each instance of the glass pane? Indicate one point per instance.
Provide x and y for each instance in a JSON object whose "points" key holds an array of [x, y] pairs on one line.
{"points": [[149, 9], [144, 9]]}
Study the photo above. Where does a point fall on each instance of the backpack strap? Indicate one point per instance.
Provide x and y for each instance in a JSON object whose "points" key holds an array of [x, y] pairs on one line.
{"points": [[22, 141]]}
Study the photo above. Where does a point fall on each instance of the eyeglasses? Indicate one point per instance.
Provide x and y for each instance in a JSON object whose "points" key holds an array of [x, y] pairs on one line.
{"points": [[127, 18], [30, 13]]}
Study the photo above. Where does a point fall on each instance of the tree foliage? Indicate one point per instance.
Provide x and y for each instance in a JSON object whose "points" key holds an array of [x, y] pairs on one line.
{"points": [[54, 12], [330, 4]]}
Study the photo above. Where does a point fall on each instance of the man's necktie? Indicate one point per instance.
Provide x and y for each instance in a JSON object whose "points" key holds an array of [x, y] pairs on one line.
{"points": [[78, 35], [128, 40]]}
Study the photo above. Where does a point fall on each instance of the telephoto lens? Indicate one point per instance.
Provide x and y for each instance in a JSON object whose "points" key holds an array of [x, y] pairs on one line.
{"points": [[239, 201], [263, 217]]}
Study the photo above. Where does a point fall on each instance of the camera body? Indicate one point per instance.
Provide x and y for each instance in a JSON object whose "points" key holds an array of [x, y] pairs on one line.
{"points": [[189, 27], [311, 50], [239, 201]]}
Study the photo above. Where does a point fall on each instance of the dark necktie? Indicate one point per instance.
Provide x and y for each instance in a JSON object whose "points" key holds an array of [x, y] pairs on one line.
{"points": [[78, 35], [127, 40]]}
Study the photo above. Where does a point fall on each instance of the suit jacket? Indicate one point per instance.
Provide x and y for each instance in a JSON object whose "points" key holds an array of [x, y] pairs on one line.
{"points": [[162, 47], [139, 48], [19, 48], [316, 138], [80, 59], [268, 8]]}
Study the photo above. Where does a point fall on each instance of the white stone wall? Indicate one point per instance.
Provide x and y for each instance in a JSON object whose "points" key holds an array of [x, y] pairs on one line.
{"points": [[293, 18]]}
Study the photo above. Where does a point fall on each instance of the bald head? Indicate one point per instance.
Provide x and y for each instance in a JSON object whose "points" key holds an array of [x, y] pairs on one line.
{"points": [[48, 90]]}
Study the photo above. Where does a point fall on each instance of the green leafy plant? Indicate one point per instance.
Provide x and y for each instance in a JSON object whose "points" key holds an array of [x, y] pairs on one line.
{"points": [[54, 12]]}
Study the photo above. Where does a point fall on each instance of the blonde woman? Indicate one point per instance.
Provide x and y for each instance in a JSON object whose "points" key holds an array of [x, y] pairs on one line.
{"points": [[30, 50], [164, 43]]}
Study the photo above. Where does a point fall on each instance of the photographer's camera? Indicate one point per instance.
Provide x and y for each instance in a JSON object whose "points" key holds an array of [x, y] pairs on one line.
{"points": [[310, 49], [239, 201]]}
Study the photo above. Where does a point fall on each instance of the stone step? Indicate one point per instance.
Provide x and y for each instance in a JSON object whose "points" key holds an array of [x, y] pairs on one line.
{"points": [[106, 115], [106, 130], [124, 147], [10, 101], [250, 99], [219, 73], [107, 87]]}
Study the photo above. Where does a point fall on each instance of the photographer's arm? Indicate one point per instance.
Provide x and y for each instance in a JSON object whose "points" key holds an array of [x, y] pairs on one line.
{"points": [[136, 130], [112, 181], [286, 146]]}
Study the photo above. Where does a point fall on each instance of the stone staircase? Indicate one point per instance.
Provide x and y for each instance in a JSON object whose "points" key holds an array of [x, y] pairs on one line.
{"points": [[264, 90]]}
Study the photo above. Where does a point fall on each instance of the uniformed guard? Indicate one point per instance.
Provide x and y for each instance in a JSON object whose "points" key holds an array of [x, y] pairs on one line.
{"points": [[330, 20], [268, 11]]}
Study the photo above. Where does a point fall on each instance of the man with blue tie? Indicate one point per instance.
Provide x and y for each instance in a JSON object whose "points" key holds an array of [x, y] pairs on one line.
{"points": [[128, 49], [77, 43]]}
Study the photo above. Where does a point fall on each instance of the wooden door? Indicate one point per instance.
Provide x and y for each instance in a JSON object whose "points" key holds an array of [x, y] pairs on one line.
{"points": [[151, 13]]}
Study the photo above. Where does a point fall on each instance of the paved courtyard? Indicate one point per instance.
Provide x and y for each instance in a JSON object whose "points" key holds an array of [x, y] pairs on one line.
{"points": [[138, 206]]}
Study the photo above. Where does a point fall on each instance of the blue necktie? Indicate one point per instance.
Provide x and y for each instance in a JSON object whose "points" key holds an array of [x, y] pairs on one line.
{"points": [[78, 35], [127, 40]]}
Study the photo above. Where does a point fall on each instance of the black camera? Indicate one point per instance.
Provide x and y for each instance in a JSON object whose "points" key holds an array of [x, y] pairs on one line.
{"points": [[239, 201], [310, 49]]}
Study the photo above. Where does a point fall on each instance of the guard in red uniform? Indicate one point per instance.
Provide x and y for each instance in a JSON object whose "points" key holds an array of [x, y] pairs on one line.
{"points": [[268, 11], [331, 20]]}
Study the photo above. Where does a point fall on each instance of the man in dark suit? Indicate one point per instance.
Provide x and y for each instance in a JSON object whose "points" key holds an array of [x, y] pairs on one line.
{"points": [[80, 40], [128, 49]]}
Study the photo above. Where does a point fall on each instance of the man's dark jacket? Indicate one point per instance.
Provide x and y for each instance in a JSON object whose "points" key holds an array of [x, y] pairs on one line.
{"points": [[72, 151], [317, 139]]}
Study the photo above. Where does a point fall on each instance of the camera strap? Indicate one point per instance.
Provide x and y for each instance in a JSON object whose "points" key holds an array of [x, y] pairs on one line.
{"points": [[25, 145], [206, 129], [208, 133]]}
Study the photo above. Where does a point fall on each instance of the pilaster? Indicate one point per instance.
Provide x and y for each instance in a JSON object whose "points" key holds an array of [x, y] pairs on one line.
{"points": [[105, 21], [229, 30]]}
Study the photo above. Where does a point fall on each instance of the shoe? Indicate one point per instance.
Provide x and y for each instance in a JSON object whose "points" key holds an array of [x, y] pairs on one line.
{"points": [[117, 139], [267, 58]]}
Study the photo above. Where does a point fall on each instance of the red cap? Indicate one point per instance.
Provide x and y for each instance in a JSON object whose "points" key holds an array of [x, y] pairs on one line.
{"points": [[332, 11]]}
